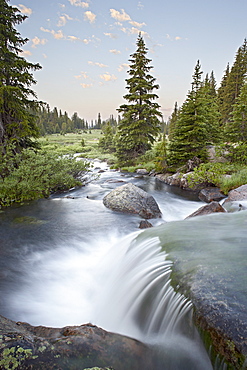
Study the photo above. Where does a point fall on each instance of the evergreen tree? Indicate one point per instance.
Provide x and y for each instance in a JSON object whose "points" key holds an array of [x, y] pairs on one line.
{"points": [[173, 120], [106, 143], [211, 109], [232, 84], [140, 122], [161, 155], [237, 130], [212, 84], [190, 134], [98, 125], [17, 124], [221, 96]]}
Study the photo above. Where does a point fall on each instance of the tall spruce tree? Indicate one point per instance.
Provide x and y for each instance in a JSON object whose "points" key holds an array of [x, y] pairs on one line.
{"points": [[17, 124], [140, 122], [190, 134], [237, 130], [173, 120], [232, 83]]}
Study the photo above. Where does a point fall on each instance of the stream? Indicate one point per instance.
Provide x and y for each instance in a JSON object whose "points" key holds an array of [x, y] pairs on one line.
{"points": [[68, 260]]}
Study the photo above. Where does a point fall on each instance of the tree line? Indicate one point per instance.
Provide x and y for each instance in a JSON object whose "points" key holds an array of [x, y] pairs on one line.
{"points": [[55, 122]]}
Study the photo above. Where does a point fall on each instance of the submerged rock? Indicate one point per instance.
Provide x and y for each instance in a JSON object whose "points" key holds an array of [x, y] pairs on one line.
{"points": [[23, 346], [131, 199], [145, 224], [142, 171]]}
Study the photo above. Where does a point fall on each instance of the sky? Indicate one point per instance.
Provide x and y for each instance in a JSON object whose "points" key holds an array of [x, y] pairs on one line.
{"points": [[84, 47]]}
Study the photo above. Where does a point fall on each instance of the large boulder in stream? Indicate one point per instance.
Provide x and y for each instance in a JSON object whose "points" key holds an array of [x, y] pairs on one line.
{"points": [[131, 199], [23, 346]]}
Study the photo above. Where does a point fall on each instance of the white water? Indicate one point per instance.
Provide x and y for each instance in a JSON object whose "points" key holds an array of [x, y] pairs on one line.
{"points": [[121, 285]]}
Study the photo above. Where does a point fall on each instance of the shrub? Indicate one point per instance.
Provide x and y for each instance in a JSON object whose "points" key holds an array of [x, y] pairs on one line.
{"points": [[209, 174], [37, 175]]}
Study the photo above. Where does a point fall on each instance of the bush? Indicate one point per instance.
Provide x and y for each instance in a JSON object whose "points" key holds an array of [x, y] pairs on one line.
{"points": [[209, 174], [36, 175], [215, 174]]}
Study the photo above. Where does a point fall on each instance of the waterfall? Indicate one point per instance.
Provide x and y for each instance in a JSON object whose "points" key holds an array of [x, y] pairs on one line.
{"points": [[138, 300]]}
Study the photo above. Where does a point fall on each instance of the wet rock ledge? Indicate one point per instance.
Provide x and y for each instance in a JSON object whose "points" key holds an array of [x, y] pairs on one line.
{"points": [[23, 346]]}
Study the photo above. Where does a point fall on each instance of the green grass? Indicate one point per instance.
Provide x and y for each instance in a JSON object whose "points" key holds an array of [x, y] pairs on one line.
{"points": [[72, 143], [234, 181]]}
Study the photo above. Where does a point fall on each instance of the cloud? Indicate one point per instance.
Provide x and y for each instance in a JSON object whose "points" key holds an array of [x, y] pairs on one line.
{"points": [[89, 16], [37, 41], [74, 38], [101, 65], [108, 77], [133, 31], [86, 86], [177, 38], [25, 10], [82, 75], [123, 17], [25, 53], [86, 41], [57, 35], [111, 35], [63, 20], [114, 51], [140, 5], [123, 66], [120, 16], [80, 3], [45, 56], [137, 24]]}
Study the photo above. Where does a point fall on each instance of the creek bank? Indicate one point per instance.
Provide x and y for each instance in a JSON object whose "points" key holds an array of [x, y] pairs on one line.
{"points": [[23, 346]]}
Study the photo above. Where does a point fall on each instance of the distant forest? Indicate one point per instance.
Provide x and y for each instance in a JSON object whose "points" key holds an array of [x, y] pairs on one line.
{"points": [[55, 122]]}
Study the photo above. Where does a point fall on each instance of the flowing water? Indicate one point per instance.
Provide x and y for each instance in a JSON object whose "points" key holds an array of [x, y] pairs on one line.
{"points": [[68, 260]]}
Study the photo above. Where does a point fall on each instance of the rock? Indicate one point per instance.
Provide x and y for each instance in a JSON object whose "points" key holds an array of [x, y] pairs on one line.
{"points": [[131, 199], [145, 224], [210, 194], [237, 194], [193, 163], [23, 346], [174, 180], [212, 207], [236, 200], [142, 171]]}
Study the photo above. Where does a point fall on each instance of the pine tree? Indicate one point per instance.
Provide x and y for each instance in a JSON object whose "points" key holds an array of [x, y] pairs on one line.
{"points": [[237, 130], [173, 120], [106, 143], [211, 109], [190, 134], [231, 84], [140, 122], [17, 124]]}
